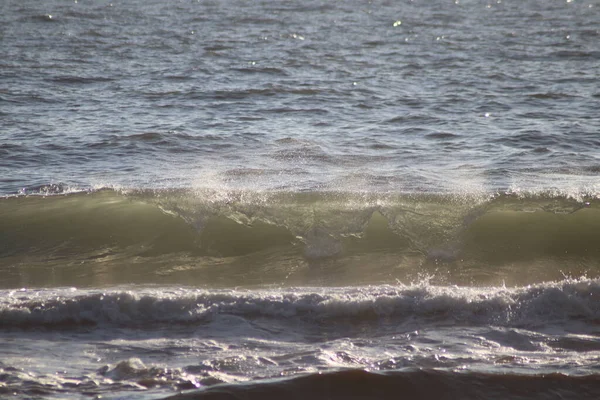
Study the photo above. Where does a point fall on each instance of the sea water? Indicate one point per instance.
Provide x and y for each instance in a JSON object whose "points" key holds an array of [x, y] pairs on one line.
{"points": [[226, 199]]}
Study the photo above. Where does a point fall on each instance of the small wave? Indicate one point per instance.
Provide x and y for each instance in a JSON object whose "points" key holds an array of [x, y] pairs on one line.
{"points": [[285, 110], [552, 95], [442, 135], [261, 70], [44, 18], [79, 80], [575, 54]]}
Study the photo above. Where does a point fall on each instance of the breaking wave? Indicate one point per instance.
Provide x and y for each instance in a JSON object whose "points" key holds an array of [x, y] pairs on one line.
{"points": [[565, 302], [88, 238]]}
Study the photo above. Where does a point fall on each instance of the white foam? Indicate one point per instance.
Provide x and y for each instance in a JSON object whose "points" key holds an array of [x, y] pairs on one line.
{"points": [[542, 304]]}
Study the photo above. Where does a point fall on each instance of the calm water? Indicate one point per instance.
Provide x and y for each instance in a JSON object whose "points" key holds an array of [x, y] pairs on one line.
{"points": [[352, 197]]}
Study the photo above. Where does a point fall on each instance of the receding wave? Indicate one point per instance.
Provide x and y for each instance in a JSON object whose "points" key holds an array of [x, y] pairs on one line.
{"points": [[238, 237], [413, 384]]}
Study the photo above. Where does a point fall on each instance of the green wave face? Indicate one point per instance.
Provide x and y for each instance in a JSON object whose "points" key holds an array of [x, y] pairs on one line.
{"points": [[272, 238]]}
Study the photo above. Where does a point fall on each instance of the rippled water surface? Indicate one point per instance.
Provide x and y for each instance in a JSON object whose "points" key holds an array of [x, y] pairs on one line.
{"points": [[404, 95]]}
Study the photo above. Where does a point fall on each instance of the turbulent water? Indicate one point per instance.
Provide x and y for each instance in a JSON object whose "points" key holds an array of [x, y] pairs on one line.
{"points": [[284, 199]]}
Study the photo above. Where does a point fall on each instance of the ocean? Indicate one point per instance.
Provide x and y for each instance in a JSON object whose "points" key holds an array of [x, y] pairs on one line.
{"points": [[223, 199]]}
